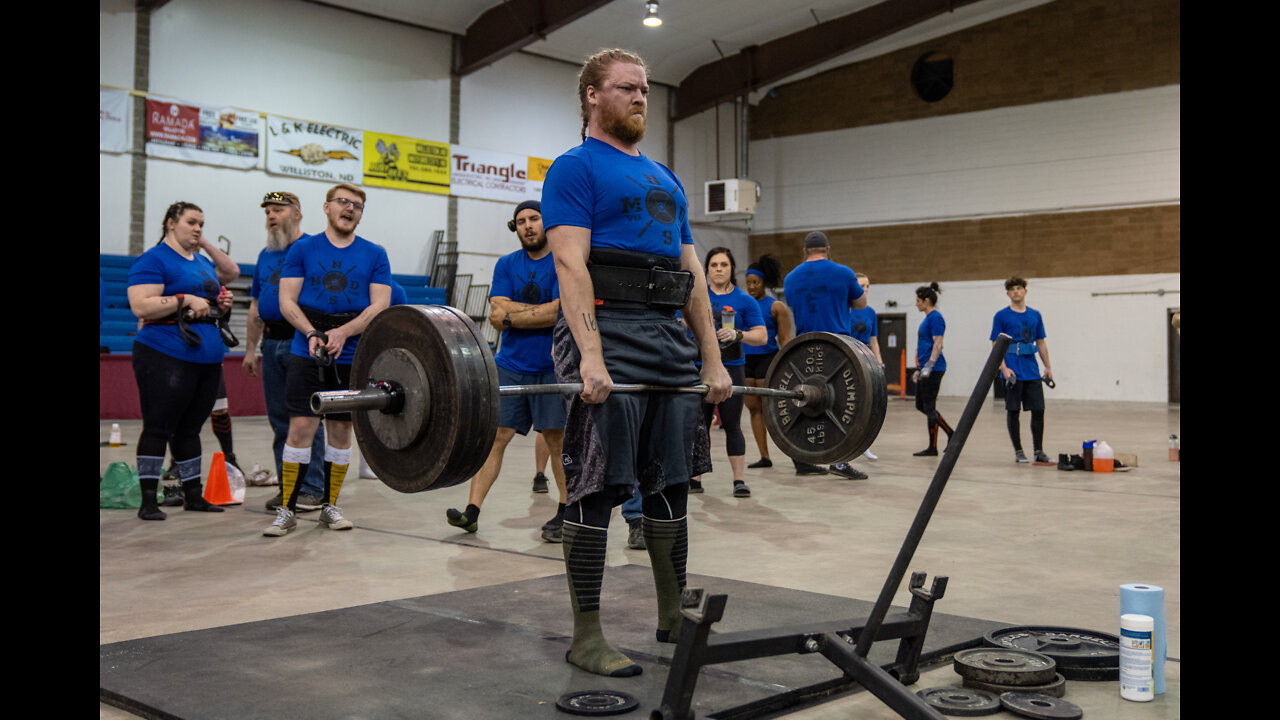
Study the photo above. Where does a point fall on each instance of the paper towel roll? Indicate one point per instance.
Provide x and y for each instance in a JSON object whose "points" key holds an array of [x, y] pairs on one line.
{"points": [[1141, 599]]}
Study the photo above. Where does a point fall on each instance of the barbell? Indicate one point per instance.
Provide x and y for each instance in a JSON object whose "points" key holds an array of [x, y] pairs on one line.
{"points": [[425, 396]]}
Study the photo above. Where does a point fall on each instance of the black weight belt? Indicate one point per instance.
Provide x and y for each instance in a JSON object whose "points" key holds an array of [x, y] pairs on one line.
{"points": [[324, 322], [625, 278], [277, 330]]}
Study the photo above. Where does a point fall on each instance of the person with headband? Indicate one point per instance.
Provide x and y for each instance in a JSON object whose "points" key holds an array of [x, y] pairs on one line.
{"points": [[524, 302], [762, 277]]}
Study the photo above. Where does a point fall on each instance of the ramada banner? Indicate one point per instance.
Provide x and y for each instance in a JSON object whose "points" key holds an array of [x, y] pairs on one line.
{"points": [[211, 135]]}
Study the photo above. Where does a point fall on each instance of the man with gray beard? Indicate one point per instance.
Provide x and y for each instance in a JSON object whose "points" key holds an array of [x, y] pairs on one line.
{"points": [[266, 323]]}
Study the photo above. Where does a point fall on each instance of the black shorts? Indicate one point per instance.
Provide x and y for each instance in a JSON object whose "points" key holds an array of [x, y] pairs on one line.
{"points": [[304, 377], [1024, 395], [653, 439], [758, 365]]}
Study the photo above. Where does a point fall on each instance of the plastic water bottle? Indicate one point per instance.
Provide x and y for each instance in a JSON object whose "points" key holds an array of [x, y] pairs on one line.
{"points": [[1137, 658], [115, 441], [1103, 457], [1175, 449], [726, 317]]}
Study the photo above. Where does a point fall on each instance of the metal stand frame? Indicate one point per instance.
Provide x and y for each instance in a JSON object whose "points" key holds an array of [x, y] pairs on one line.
{"points": [[844, 642]]}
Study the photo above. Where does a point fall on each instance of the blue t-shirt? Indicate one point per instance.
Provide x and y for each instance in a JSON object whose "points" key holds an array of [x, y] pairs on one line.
{"points": [[820, 293], [162, 265], [520, 278], [1025, 328], [628, 202], [746, 314], [863, 324], [266, 283], [932, 326], [398, 294], [334, 280], [770, 325]]}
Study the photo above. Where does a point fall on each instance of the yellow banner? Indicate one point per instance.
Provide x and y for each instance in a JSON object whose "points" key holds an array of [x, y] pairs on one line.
{"points": [[404, 163], [538, 168]]}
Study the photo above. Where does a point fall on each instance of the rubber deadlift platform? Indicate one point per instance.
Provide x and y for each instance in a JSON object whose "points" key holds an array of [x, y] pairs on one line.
{"points": [[495, 652]]}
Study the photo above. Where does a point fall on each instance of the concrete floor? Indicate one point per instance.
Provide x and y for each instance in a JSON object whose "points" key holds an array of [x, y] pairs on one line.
{"points": [[1020, 544]]}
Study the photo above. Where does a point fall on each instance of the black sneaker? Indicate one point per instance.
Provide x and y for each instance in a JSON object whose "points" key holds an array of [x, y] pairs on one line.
{"points": [[1064, 462], [804, 468], [847, 470], [635, 534], [460, 520], [927, 452], [540, 483], [308, 502], [1042, 458], [761, 463], [1020, 457], [553, 529], [274, 503], [740, 490], [695, 487]]}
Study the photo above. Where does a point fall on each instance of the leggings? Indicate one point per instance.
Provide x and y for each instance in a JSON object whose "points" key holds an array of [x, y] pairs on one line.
{"points": [[927, 395], [176, 397], [730, 414]]}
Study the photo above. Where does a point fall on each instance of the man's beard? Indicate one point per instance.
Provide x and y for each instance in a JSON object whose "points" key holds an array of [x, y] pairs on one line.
{"points": [[279, 237], [621, 127], [535, 245]]}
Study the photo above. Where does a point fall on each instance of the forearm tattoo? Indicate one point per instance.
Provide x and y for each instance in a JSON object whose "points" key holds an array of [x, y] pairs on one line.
{"points": [[589, 321]]}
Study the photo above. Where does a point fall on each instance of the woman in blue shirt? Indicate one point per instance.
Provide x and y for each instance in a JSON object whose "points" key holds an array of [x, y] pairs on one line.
{"points": [[931, 364], [764, 275], [177, 293]]}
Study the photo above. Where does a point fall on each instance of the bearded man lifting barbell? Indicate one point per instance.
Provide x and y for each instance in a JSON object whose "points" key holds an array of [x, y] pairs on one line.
{"points": [[618, 227]]}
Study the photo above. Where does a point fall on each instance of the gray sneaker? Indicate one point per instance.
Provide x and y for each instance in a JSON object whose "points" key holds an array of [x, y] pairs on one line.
{"points": [[307, 503], [275, 502], [284, 522], [330, 515], [1020, 457]]}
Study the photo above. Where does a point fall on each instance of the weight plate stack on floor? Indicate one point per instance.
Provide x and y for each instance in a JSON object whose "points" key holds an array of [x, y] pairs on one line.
{"points": [[1080, 654], [1005, 666], [962, 702], [1040, 707], [1056, 688]]}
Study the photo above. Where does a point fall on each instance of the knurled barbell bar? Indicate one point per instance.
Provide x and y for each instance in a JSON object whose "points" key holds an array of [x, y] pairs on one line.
{"points": [[425, 397]]}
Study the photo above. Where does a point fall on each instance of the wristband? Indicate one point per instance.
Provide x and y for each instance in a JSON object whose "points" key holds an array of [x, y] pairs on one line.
{"points": [[506, 321]]}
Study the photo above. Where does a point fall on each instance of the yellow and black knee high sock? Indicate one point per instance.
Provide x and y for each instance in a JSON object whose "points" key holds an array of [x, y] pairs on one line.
{"points": [[584, 554], [335, 471], [668, 544], [293, 467]]}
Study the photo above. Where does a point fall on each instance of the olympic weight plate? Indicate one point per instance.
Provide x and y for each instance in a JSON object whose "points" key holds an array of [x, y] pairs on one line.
{"points": [[1057, 688], [1041, 707], [597, 702], [1069, 647], [965, 702], [459, 408], [1005, 666], [849, 398]]}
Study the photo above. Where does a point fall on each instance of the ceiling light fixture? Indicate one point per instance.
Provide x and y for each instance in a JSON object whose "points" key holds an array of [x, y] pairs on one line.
{"points": [[651, 18]]}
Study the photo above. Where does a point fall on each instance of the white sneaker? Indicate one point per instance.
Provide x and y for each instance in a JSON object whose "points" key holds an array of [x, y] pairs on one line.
{"points": [[330, 515], [870, 456], [284, 522]]}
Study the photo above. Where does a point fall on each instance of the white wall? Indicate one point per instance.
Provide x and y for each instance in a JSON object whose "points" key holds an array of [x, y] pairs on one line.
{"points": [[1104, 347]]}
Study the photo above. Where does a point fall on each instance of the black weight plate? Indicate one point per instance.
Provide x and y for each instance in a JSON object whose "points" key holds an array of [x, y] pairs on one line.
{"points": [[854, 401], [1057, 688], [1041, 707], [965, 702], [597, 702], [1069, 647], [1091, 673], [461, 406], [1005, 666]]}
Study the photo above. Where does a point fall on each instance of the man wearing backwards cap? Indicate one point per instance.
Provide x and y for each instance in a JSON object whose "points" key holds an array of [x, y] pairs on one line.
{"points": [[284, 227], [820, 293], [524, 301]]}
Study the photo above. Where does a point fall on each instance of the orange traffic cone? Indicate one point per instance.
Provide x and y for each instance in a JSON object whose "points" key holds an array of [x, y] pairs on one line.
{"points": [[218, 491]]}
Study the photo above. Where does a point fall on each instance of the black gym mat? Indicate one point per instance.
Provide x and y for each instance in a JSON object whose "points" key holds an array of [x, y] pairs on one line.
{"points": [[495, 652]]}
